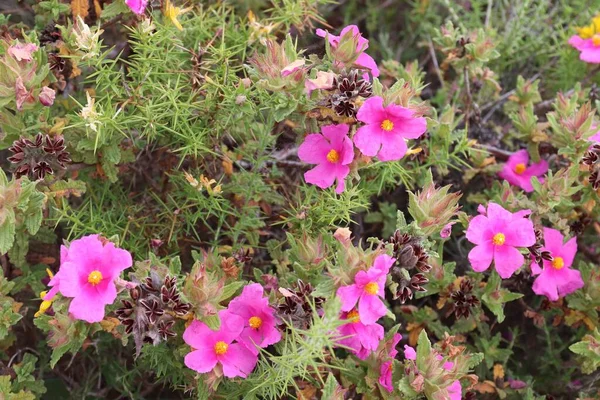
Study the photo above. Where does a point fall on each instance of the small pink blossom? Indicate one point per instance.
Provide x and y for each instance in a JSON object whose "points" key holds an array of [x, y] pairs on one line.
{"points": [[367, 291], [518, 172], [455, 391], [137, 6], [22, 95], [497, 235], [22, 51], [293, 67], [557, 278], [47, 96], [386, 129], [589, 49], [360, 338], [332, 151], [386, 368], [88, 270], [364, 60], [447, 230], [324, 80], [210, 348], [410, 353], [260, 325]]}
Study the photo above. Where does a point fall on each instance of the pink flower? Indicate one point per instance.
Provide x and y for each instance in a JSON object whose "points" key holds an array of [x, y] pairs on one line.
{"points": [[517, 173], [137, 6], [324, 80], [293, 67], [363, 60], [589, 49], [22, 52], [446, 230], [557, 279], [497, 236], [410, 353], [360, 338], [455, 391], [260, 327], [22, 95], [47, 96], [88, 269], [386, 369], [332, 151], [366, 291], [386, 129], [595, 137], [210, 348]]}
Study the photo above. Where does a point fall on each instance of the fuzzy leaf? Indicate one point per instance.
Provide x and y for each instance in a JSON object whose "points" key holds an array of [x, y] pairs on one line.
{"points": [[7, 232]]}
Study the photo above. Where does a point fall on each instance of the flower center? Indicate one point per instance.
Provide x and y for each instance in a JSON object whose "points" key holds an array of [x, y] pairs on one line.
{"points": [[333, 156], [558, 262], [499, 239], [520, 168], [95, 277], [353, 317], [221, 347], [387, 125], [596, 40], [255, 322], [372, 288]]}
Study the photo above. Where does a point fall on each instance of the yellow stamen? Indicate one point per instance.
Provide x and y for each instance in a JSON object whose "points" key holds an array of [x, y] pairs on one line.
{"points": [[221, 347], [586, 32], [95, 277], [333, 156], [173, 13], [50, 274], [372, 288], [558, 262], [387, 125], [520, 168], [353, 316], [499, 239], [255, 322], [596, 40]]}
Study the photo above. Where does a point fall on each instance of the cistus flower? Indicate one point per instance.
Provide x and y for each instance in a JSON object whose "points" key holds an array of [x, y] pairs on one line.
{"points": [[211, 348], [38, 157], [587, 41], [260, 324], [518, 172], [297, 307], [332, 151], [362, 339], [88, 269], [557, 278], [387, 129], [349, 48], [137, 6], [23, 51], [47, 96], [497, 235], [386, 368], [367, 291]]}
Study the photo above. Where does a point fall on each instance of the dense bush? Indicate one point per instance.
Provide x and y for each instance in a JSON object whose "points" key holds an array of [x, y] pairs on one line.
{"points": [[299, 199]]}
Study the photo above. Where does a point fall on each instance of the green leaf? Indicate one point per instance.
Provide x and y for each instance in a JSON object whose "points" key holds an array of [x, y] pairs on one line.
{"points": [[423, 349], [7, 232], [230, 289]]}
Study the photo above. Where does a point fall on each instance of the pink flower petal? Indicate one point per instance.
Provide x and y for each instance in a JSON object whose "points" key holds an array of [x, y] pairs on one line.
{"points": [[383, 263], [349, 296], [545, 285], [481, 257], [86, 307], [368, 139], [341, 173], [323, 175], [370, 309], [393, 147], [202, 360], [519, 233], [507, 260], [590, 55], [314, 149], [366, 61], [571, 282], [553, 241], [372, 111], [568, 251], [409, 352], [198, 335], [478, 231], [237, 361]]}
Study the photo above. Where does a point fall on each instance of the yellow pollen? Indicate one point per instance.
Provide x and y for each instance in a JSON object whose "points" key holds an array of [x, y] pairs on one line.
{"points": [[596, 40], [558, 262], [221, 347], [372, 288], [333, 156], [520, 168], [95, 277], [387, 125], [255, 322], [499, 239], [353, 316]]}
